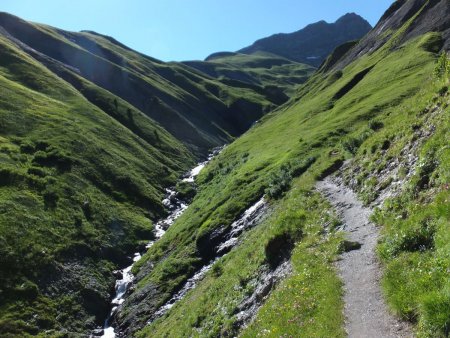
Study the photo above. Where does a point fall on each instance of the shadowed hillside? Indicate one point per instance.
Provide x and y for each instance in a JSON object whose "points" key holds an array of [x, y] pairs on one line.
{"points": [[79, 186], [198, 110]]}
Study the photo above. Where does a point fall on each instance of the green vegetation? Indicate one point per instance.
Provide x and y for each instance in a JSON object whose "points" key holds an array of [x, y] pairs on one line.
{"points": [[83, 167], [201, 111], [78, 192], [195, 108], [268, 71], [375, 91], [309, 296], [442, 69], [185, 190], [279, 183], [83, 164], [415, 224]]}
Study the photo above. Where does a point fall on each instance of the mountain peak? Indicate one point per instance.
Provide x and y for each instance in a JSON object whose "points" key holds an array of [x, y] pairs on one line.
{"points": [[350, 17], [313, 43]]}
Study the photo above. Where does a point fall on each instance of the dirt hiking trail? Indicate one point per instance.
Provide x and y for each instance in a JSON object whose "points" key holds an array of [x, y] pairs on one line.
{"points": [[366, 314]]}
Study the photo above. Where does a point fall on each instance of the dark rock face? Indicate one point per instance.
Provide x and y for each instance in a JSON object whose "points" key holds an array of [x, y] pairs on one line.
{"points": [[140, 305], [336, 55], [429, 16], [278, 249], [312, 44], [207, 244], [87, 283]]}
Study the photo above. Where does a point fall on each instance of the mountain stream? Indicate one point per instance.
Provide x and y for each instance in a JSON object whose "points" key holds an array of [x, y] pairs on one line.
{"points": [[176, 208]]}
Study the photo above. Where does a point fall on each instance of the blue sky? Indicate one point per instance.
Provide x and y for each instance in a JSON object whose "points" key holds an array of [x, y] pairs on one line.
{"points": [[189, 29]]}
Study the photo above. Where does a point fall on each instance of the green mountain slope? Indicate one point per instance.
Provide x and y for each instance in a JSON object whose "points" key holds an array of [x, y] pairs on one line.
{"points": [[91, 135], [79, 191], [368, 110], [92, 132], [198, 110], [266, 70]]}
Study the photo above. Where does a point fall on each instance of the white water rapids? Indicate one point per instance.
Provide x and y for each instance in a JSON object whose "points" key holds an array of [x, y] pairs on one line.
{"points": [[247, 220], [176, 208]]}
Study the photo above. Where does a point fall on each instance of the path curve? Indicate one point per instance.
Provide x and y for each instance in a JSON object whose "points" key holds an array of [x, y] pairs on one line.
{"points": [[366, 314]]}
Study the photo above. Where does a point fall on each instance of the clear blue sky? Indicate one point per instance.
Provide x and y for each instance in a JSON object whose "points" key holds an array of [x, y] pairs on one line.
{"points": [[189, 29]]}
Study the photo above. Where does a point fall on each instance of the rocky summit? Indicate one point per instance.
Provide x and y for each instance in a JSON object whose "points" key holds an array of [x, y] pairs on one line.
{"points": [[312, 44]]}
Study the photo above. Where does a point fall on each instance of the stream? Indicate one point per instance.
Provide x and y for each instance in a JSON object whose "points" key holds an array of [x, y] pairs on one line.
{"points": [[247, 220], [176, 208]]}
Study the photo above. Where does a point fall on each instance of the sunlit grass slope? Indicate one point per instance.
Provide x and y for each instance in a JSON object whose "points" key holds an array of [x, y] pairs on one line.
{"points": [[313, 132], [415, 225], [262, 69]]}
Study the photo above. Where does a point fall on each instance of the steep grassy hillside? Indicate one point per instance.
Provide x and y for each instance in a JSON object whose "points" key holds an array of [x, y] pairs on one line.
{"points": [[78, 190], [91, 134], [262, 69], [195, 108], [367, 110]]}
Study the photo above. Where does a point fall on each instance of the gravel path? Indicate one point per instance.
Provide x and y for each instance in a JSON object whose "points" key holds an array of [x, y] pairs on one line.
{"points": [[366, 313]]}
